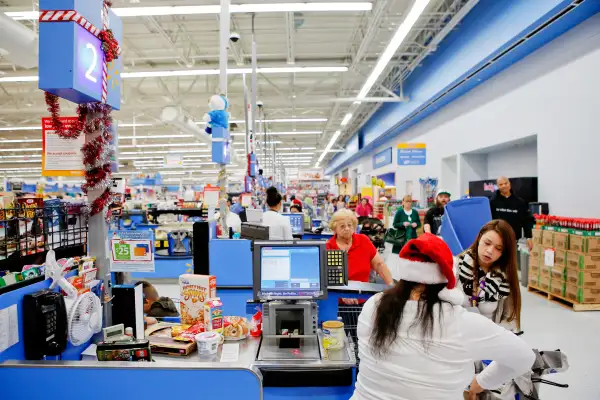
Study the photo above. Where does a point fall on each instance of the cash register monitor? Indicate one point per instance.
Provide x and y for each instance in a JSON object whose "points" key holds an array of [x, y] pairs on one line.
{"points": [[290, 270], [297, 222]]}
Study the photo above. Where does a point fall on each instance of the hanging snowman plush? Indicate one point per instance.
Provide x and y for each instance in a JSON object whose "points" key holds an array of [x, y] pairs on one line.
{"points": [[218, 116]]}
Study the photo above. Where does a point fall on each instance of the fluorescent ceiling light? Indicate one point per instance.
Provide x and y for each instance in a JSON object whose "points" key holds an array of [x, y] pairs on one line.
{"points": [[182, 151], [19, 161], [132, 125], [296, 148], [294, 120], [22, 149], [215, 9], [200, 72], [156, 137], [281, 133], [346, 119], [335, 136], [140, 158], [401, 34], [2, 141], [23, 156], [141, 146]]}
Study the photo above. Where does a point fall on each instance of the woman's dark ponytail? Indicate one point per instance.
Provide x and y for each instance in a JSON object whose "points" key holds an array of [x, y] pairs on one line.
{"points": [[273, 197], [390, 310]]}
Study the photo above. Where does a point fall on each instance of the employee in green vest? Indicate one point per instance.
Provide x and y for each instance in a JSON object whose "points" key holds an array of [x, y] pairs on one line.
{"points": [[408, 220]]}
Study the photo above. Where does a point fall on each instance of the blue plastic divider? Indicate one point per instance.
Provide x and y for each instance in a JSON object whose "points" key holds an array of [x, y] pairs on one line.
{"points": [[17, 352], [127, 380], [463, 220], [231, 262]]}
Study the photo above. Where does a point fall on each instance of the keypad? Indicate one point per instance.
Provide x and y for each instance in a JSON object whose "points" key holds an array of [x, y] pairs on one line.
{"points": [[336, 267]]}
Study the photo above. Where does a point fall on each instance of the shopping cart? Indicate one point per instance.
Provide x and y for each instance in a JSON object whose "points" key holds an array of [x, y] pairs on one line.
{"points": [[527, 386], [348, 311]]}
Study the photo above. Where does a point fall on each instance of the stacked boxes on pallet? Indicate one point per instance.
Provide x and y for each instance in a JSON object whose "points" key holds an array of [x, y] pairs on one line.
{"points": [[583, 267], [566, 263], [534, 260]]}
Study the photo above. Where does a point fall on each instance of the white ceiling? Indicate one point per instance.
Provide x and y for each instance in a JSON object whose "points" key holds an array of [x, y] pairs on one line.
{"points": [[334, 39]]}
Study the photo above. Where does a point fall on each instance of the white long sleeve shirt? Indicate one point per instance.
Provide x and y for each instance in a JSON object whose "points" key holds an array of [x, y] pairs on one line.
{"points": [[280, 227], [442, 368]]}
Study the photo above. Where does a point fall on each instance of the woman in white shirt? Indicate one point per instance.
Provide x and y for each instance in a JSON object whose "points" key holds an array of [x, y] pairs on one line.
{"points": [[487, 275], [416, 342], [280, 227]]}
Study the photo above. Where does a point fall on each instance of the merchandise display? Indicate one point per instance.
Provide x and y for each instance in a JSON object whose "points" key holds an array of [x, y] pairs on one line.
{"points": [[565, 262]]}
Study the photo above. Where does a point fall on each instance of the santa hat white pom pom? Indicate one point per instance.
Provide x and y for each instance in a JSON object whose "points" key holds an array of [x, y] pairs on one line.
{"points": [[452, 296]]}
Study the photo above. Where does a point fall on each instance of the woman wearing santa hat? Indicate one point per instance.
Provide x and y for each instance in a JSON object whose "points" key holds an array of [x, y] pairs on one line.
{"points": [[487, 274], [415, 341]]}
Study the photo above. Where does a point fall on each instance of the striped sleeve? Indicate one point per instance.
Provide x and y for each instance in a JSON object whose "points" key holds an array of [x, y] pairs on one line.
{"points": [[465, 268]]}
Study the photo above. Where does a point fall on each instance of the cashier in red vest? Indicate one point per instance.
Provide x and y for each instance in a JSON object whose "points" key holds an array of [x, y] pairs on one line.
{"points": [[362, 255]]}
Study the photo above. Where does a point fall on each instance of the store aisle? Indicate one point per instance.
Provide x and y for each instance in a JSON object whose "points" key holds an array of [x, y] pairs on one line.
{"points": [[547, 326]]}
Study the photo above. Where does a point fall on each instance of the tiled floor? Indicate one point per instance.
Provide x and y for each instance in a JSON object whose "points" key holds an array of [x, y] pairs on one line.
{"points": [[547, 326]]}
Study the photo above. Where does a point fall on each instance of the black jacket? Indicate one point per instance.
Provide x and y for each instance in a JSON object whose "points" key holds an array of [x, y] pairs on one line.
{"points": [[434, 219], [163, 307], [513, 210]]}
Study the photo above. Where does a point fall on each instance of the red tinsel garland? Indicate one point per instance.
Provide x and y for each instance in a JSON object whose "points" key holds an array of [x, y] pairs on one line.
{"points": [[96, 153]]}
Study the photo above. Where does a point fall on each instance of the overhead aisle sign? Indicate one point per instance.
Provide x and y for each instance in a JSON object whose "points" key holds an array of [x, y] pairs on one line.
{"points": [[71, 60], [412, 154]]}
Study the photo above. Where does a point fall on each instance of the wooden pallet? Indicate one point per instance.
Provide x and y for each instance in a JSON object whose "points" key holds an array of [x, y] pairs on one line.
{"points": [[563, 301]]}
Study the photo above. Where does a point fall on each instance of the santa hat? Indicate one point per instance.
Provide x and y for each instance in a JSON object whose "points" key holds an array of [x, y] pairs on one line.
{"points": [[428, 260]]}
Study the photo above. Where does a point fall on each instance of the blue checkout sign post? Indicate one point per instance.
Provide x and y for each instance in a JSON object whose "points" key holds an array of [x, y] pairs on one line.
{"points": [[412, 154], [71, 58]]}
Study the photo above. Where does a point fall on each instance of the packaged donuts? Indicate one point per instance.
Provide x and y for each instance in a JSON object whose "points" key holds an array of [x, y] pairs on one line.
{"points": [[235, 328]]}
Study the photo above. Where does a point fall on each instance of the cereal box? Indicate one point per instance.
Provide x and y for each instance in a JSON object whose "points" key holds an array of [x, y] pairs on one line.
{"points": [[213, 315], [195, 291]]}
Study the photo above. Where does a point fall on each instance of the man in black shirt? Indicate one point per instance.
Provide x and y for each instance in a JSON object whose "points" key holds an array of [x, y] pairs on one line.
{"points": [[512, 209], [433, 218]]}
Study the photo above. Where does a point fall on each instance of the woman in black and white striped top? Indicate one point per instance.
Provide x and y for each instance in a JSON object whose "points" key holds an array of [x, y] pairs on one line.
{"points": [[487, 274]]}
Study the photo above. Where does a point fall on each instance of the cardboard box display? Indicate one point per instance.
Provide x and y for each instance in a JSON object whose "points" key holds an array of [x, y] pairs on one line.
{"points": [[536, 252], [581, 261], [536, 236], [534, 269], [583, 278], [544, 283], [585, 242], [582, 295], [561, 241], [545, 271], [560, 257], [195, 291], [558, 272], [548, 238], [558, 287], [533, 280]]}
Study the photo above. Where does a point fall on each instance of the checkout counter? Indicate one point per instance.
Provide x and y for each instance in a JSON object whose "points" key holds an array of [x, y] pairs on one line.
{"points": [[289, 361]]}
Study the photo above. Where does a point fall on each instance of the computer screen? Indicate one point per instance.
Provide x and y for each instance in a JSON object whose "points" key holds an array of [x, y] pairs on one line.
{"points": [[297, 222], [290, 271]]}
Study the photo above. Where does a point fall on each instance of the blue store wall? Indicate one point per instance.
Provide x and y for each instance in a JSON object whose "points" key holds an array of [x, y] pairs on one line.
{"points": [[490, 28]]}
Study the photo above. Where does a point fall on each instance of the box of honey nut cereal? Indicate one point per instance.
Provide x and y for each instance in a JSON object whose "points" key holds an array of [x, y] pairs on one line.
{"points": [[195, 290]]}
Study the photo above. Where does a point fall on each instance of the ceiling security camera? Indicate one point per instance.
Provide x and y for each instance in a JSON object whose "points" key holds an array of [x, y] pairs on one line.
{"points": [[234, 37], [259, 103]]}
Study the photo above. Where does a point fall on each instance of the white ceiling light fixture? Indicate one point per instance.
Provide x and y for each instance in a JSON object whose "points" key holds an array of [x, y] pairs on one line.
{"points": [[215, 9], [19, 161], [21, 141], [199, 72], [281, 133], [346, 119], [24, 156], [279, 120], [401, 33], [156, 137], [22, 149], [391, 49]]}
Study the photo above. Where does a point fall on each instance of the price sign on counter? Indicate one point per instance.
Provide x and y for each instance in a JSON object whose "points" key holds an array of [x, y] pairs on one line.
{"points": [[132, 251]]}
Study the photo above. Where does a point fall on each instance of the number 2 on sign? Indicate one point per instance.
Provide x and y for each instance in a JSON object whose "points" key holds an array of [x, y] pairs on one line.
{"points": [[88, 73]]}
